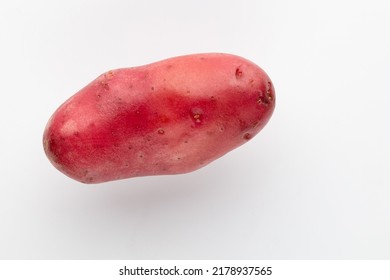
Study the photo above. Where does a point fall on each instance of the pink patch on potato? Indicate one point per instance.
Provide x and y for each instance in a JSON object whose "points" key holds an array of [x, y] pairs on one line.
{"points": [[169, 117]]}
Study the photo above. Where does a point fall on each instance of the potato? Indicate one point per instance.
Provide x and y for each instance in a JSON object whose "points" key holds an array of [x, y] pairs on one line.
{"points": [[168, 117]]}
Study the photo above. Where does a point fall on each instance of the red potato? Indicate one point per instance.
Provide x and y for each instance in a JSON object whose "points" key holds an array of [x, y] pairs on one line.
{"points": [[169, 117]]}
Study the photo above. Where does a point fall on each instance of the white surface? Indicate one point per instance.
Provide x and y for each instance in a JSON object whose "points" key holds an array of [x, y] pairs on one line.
{"points": [[313, 184]]}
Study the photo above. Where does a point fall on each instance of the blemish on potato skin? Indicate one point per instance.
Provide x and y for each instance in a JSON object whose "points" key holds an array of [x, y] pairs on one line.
{"points": [[269, 84], [90, 179], [238, 73], [247, 136], [160, 131], [197, 115], [109, 74], [105, 79], [264, 100], [269, 92], [104, 85], [196, 118]]}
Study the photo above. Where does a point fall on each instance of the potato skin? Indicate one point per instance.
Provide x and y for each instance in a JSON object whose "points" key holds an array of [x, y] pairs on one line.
{"points": [[169, 117]]}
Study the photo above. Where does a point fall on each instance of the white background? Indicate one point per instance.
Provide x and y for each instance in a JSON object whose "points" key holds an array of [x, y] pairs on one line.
{"points": [[314, 184]]}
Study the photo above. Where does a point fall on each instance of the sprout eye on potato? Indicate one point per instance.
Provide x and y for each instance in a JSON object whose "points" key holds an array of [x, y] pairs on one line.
{"points": [[169, 117]]}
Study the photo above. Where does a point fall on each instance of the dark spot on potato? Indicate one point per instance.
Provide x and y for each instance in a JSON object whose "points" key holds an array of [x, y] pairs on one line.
{"points": [[197, 115], [161, 131], [247, 136], [269, 91], [263, 100], [179, 158], [152, 88], [129, 147], [238, 73], [105, 85], [255, 124], [243, 125]]}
